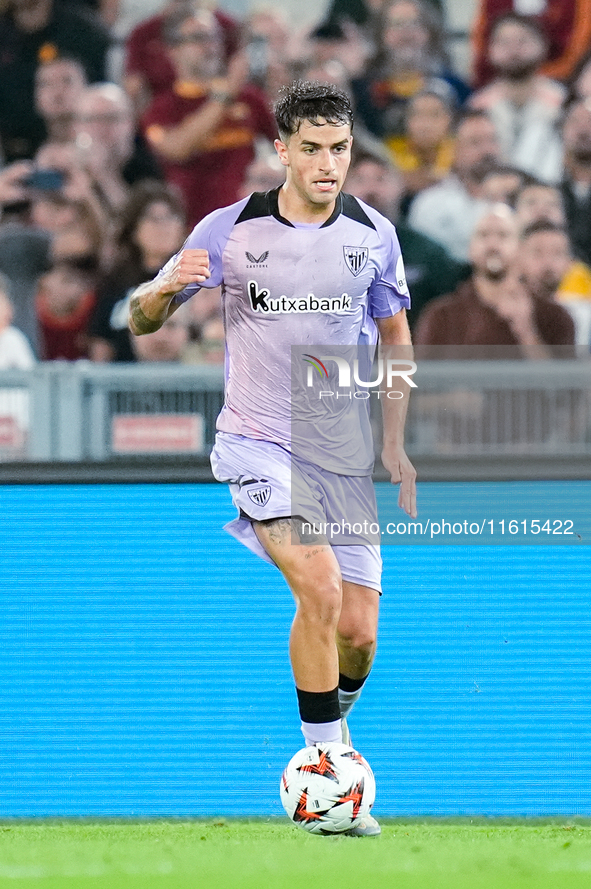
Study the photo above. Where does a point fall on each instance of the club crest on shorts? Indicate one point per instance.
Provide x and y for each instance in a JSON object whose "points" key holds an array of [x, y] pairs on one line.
{"points": [[260, 496], [356, 258]]}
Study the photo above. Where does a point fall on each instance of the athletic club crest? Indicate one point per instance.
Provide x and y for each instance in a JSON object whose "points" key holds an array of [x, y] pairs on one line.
{"points": [[261, 495], [356, 258]]}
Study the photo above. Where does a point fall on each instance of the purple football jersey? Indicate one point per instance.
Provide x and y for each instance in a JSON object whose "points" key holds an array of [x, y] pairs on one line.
{"points": [[289, 284]]}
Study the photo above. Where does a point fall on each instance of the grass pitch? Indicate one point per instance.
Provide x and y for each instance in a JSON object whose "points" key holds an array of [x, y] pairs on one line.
{"points": [[274, 855]]}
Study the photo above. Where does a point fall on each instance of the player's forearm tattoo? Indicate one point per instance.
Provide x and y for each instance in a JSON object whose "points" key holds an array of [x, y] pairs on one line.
{"points": [[141, 322]]}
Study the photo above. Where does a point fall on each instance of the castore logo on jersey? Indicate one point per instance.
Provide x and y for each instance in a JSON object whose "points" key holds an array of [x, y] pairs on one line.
{"points": [[254, 262]]}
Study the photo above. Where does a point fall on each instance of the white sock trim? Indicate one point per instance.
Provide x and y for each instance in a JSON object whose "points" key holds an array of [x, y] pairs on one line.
{"points": [[322, 732]]}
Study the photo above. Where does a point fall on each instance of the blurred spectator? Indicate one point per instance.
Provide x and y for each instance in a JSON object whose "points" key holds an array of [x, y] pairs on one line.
{"points": [[430, 271], [335, 52], [580, 83], [263, 174], [168, 343], [126, 14], [576, 184], [201, 311], [267, 40], [152, 229], [362, 11], [544, 258], [493, 308], [76, 184], [502, 184], [536, 201], [566, 22], [424, 154], [448, 212], [65, 302], [54, 227], [59, 84], [79, 237], [106, 10], [15, 349], [24, 252], [211, 347], [331, 71], [410, 55], [204, 129], [76, 231], [541, 205], [31, 32], [111, 150], [13, 189], [15, 353], [523, 105], [366, 17], [549, 271], [148, 67]]}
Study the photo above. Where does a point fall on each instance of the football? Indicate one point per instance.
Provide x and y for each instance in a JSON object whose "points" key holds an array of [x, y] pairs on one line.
{"points": [[327, 789]]}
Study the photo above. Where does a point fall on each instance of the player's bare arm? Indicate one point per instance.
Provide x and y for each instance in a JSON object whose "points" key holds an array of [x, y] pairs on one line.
{"points": [[395, 333], [151, 303]]}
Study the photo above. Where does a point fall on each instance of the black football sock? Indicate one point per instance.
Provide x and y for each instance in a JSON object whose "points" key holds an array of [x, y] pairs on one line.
{"points": [[321, 715]]}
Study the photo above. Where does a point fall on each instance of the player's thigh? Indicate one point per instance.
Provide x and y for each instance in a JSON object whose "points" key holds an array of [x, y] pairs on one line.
{"points": [[309, 566]]}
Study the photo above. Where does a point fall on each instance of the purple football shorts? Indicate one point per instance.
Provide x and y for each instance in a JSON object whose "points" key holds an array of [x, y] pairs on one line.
{"points": [[267, 481]]}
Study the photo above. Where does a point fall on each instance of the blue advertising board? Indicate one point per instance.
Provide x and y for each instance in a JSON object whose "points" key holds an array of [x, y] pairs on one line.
{"points": [[143, 656]]}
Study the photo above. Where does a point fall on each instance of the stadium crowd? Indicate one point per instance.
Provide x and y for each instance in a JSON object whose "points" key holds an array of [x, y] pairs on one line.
{"points": [[124, 124]]}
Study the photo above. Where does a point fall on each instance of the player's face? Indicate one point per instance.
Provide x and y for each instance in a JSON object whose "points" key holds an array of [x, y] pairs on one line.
{"points": [[316, 158]]}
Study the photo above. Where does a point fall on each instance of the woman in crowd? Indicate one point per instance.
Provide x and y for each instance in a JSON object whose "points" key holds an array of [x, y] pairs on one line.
{"points": [[410, 55], [152, 228], [424, 152]]}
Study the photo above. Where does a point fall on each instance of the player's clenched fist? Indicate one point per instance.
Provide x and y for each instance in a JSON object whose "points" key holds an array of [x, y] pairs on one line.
{"points": [[191, 266], [152, 303]]}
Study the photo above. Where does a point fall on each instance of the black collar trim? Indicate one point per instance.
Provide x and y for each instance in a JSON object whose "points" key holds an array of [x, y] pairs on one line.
{"points": [[273, 197], [266, 203]]}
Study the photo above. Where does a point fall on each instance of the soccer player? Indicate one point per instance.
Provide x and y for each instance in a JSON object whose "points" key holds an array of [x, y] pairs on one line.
{"points": [[301, 264]]}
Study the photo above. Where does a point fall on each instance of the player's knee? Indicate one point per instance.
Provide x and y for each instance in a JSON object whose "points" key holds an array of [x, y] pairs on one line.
{"points": [[322, 606], [361, 638]]}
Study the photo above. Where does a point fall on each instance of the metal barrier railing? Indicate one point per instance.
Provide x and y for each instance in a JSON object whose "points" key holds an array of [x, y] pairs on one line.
{"points": [[87, 412], [481, 408]]}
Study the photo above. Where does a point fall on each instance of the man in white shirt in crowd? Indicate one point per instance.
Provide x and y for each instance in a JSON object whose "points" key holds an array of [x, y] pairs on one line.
{"points": [[449, 211]]}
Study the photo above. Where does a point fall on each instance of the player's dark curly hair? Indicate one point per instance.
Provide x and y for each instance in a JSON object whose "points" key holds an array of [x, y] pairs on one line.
{"points": [[310, 100]]}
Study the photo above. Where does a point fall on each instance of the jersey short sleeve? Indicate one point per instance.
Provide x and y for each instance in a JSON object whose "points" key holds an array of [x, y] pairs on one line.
{"points": [[388, 293]]}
